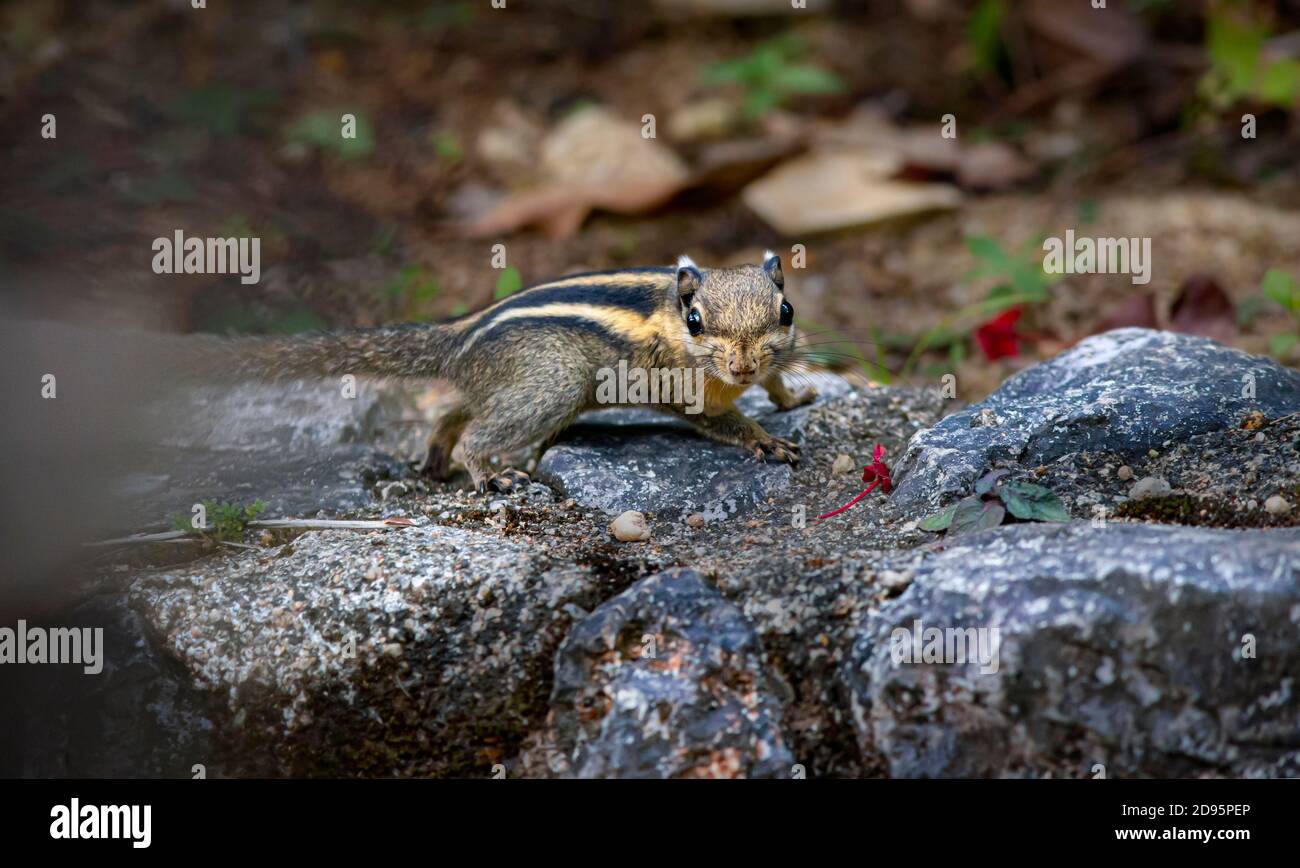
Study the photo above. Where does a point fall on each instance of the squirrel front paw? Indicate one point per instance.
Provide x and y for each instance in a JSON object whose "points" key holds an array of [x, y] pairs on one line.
{"points": [[507, 481], [768, 446], [790, 400]]}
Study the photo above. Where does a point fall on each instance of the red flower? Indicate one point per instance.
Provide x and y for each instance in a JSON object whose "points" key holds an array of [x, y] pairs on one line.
{"points": [[997, 337], [877, 473]]}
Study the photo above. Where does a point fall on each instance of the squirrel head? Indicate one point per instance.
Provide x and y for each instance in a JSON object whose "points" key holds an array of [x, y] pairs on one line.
{"points": [[736, 322]]}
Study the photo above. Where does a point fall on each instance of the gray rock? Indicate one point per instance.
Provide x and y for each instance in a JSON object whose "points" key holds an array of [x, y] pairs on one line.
{"points": [[299, 446], [1125, 391], [700, 707], [429, 653], [619, 460], [1128, 646]]}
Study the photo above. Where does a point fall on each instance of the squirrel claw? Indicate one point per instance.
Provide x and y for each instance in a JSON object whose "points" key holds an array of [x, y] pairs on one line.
{"points": [[782, 450], [508, 481]]}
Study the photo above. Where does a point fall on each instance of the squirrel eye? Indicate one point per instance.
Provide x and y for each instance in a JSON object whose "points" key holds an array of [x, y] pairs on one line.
{"points": [[787, 313], [693, 323]]}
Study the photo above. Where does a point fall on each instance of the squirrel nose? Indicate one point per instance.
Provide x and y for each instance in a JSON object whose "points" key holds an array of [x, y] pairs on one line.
{"points": [[741, 370]]}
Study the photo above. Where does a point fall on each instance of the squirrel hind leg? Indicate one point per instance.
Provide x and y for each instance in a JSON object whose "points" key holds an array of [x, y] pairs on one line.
{"points": [[446, 431], [512, 420]]}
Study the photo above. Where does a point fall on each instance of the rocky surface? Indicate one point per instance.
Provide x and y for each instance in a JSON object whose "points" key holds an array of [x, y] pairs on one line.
{"points": [[619, 460], [419, 651], [505, 634], [666, 680], [1153, 651], [302, 447], [1126, 391]]}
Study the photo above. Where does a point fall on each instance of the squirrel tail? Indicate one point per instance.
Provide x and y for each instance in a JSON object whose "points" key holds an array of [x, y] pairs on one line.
{"points": [[410, 350]]}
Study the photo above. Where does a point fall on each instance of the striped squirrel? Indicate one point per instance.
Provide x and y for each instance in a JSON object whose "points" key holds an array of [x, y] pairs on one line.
{"points": [[526, 366]]}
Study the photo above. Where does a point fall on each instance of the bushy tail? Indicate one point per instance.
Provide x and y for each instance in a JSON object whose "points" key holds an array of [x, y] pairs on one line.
{"points": [[415, 350]]}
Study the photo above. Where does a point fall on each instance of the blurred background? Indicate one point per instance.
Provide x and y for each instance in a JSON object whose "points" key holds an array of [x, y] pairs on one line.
{"points": [[585, 135]]}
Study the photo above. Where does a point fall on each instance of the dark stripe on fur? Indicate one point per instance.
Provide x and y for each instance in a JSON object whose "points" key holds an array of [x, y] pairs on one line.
{"points": [[643, 299], [553, 323]]}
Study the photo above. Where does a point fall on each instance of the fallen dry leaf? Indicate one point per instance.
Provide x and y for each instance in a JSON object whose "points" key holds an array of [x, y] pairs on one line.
{"points": [[560, 207], [591, 160], [922, 150], [833, 190]]}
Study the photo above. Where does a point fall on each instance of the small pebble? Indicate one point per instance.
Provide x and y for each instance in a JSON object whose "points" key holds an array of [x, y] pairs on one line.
{"points": [[1149, 486], [843, 464], [1151, 453], [695, 520], [1277, 505], [1125, 472], [896, 580], [394, 489], [630, 527]]}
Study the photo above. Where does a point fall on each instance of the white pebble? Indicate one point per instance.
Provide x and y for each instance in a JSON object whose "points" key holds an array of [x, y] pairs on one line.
{"points": [[630, 527], [1149, 486], [1277, 505]]}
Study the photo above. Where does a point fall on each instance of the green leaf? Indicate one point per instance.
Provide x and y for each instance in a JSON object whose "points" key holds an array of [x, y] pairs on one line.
{"points": [[806, 79], [984, 32], [988, 480], [1030, 502], [1280, 83], [508, 283], [760, 101], [973, 514], [1281, 345], [324, 130], [940, 520], [1234, 52], [989, 250], [1281, 288], [727, 72]]}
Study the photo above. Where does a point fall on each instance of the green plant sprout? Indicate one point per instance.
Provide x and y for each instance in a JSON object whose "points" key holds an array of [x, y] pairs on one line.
{"points": [[508, 283], [1284, 289], [226, 522], [771, 74], [992, 500], [1239, 69], [323, 131]]}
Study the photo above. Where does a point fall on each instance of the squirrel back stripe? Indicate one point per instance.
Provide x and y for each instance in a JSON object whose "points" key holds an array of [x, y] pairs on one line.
{"points": [[639, 289], [630, 325], [553, 322]]}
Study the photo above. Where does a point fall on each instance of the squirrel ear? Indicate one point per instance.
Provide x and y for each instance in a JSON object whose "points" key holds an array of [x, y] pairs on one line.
{"points": [[688, 277], [772, 265]]}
